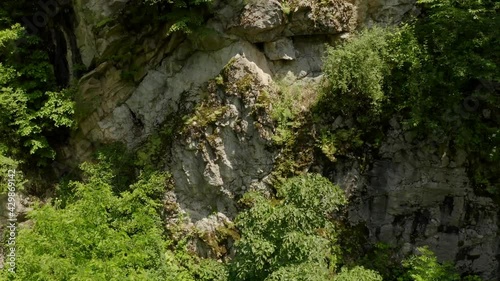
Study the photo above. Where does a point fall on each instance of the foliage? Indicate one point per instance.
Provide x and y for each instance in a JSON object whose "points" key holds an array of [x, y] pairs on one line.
{"points": [[7, 164], [206, 113], [358, 273], [288, 105], [204, 269], [380, 258], [439, 74], [100, 235], [291, 234], [32, 109], [122, 165], [425, 267], [352, 94], [465, 46], [301, 272], [349, 83]]}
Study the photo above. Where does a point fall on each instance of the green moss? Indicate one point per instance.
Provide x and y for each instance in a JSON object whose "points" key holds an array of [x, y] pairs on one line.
{"points": [[104, 22], [228, 230], [227, 68], [153, 153], [263, 99], [204, 115], [219, 80]]}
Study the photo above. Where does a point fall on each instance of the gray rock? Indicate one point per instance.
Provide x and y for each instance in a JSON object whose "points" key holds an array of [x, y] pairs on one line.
{"points": [[413, 201], [414, 194], [231, 157], [260, 21], [321, 17], [281, 49]]}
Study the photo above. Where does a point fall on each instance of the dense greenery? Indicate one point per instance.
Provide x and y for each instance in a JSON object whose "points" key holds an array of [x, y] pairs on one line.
{"points": [[439, 74], [33, 110], [31, 106], [289, 236], [102, 234]]}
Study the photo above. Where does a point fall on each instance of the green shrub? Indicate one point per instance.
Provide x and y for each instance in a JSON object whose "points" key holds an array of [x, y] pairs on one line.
{"points": [[425, 267], [381, 259], [293, 231], [358, 273], [31, 108], [355, 72], [289, 104], [354, 92], [7, 164], [99, 235], [437, 74]]}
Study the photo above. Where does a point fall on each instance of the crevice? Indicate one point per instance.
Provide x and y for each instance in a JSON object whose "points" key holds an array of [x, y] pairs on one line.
{"points": [[62, 48], [135, 119]]}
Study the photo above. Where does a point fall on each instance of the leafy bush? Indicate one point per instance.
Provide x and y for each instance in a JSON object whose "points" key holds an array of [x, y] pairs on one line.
{"points": [[290, 235], [355, 71], [7, 164], [439, 74], [381, 258], [425, 267], [32, 109], [358, 273], [289, 103], [353, 91], [99, 235]]}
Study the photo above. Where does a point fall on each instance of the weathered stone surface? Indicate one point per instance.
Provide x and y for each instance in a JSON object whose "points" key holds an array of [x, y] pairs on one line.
{"points": [[281, 49], [415, 194], [230, 155], [384, 12], [89, 15], [160, 92], [308, 62], [410, 196], [265, 21], [182, 69], [261, 21], [321, 17]]}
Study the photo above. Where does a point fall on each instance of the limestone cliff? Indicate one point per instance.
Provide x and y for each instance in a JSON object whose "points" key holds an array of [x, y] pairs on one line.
{"points": [[138, 79]]}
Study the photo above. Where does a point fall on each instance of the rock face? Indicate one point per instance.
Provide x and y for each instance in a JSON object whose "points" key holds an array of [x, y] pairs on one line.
{"points": [[281, 49], [217, 160], [266, 21], [91, 15], [161, 91], [166, 66], [415, 194]]}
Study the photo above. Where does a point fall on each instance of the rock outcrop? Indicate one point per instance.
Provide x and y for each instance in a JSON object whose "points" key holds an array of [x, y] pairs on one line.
{"points": [[293, 34], [226, 153], [415, 194], [418, 193]]}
